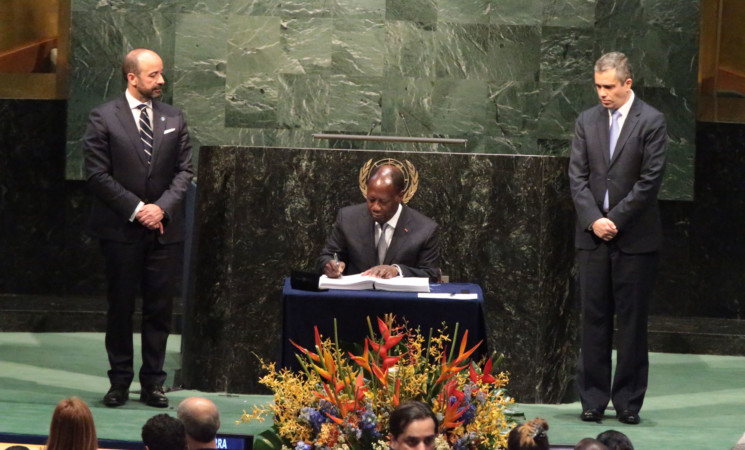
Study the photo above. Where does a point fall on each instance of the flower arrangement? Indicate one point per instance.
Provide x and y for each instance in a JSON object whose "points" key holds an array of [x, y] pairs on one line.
{"points": [[342, 401]]}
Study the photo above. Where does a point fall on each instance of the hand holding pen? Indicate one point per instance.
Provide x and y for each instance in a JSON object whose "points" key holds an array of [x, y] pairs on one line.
{"points": [[334, 268]]}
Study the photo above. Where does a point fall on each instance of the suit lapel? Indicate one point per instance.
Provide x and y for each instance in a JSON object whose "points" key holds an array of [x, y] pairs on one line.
{"points": [[158, 127], [367, 238], [125, 117], [603, 130], [400, 236], [628, 127]]}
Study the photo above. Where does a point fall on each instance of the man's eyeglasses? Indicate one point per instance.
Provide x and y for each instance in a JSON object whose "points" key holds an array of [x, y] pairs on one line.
{"points": [[413, 441]]}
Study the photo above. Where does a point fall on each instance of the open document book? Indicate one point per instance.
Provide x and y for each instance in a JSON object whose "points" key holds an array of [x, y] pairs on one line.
{"points": [[359, 282]]}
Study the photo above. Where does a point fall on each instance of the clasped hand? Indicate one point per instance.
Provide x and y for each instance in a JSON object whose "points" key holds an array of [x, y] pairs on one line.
{"points": [[151, 217], [604, 228]]}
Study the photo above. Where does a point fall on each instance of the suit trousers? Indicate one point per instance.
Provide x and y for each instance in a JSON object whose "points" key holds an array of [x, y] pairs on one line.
{"points": [[614, 283], [149, 268]]}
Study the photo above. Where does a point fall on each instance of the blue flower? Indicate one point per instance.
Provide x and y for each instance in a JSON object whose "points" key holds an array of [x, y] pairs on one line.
{"points": [[314, 418], [469, 414], [302, 446]]}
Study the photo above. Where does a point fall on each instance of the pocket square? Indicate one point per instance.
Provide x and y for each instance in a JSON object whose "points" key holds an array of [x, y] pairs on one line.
{"points": [[169, 130]]}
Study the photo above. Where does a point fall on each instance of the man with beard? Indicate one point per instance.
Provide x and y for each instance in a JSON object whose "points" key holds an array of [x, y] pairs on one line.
{"points": [[138, 165]]}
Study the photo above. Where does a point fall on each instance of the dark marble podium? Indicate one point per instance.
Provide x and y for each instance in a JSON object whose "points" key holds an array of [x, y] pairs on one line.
{"points": [[261, 212]]}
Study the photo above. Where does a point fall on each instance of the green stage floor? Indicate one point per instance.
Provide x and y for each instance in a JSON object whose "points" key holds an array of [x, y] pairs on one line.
{"points": [[694, 402]]}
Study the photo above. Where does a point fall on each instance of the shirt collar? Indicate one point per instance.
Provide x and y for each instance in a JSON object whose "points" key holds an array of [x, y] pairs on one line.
{"points": [[394, 220], [624, 110], [134, 103]]}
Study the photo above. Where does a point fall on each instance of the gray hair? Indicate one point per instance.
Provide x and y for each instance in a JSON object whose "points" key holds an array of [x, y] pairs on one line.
{"points": [[615, 60]]}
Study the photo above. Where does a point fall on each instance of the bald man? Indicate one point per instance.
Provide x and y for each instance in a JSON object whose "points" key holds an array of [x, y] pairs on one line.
{"points": [[410, 239], [201, 419], [138, 165]]}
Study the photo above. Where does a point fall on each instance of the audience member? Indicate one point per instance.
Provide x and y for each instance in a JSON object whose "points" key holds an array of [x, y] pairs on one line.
{"points": [[615, 440], [72, 427], [201, 420], [411, 424], [529, 436], [590, 444], [163, 432]]}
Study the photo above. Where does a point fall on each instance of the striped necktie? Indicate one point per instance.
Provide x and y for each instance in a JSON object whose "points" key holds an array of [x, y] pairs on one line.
{"points": [[146, 132]]}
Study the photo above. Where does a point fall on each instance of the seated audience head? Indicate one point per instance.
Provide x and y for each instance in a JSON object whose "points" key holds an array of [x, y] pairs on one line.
{"points": [[201, 420], [72, 427], [530, 435], [615, 440], [163, 432], [413, 425], [590, 444], [385, 191]]}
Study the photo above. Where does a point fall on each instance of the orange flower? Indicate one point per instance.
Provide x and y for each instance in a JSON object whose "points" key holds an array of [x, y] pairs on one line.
{"points": [[364, 360]]}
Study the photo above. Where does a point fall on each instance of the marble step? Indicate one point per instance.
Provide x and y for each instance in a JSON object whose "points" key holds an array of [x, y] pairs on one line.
{"points": [[697, 335], [40, 314]]}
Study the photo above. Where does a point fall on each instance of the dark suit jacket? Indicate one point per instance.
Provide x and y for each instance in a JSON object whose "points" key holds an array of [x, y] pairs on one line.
{"points": [[119, 176], [414, 247], [632, 178]]}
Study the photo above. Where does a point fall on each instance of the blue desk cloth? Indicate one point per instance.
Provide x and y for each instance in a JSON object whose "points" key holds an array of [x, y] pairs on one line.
{"points": [[302, 310]]}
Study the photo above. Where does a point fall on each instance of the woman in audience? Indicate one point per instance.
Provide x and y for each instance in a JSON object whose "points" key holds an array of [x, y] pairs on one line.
{"points": [[72, 427], [529, 436]]}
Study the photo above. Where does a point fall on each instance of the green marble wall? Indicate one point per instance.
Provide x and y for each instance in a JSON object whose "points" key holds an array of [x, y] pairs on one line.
{"points": [[508, 75]]}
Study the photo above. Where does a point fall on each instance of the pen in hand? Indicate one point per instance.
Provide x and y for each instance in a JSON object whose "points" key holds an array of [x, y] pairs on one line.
{"points": [[336, 261]]}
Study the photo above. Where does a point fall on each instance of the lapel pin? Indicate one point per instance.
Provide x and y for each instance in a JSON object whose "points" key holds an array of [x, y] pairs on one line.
{"points": [[406, 230], [162, 119]]}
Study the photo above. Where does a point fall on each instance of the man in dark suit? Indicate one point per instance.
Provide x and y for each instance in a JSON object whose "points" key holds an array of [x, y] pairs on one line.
{"points": [[615, 172], [138, 167], [409, 246]]}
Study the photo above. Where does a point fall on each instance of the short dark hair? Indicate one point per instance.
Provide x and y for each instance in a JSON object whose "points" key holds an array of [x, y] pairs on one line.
{"points": [[163, 432], [615, 60], [408, 412], [396, 175], [615, 440]]}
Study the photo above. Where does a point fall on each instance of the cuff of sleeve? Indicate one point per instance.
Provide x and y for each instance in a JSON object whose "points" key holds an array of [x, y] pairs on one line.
{"points": [[400, 274], [134, 214]]}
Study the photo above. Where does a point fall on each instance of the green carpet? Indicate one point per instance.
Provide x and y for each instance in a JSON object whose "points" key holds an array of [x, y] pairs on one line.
{"points": [[694, 402]]}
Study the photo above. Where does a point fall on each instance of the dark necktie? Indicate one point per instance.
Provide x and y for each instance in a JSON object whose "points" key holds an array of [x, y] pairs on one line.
{"points": [[382, 244], [146, 132], [615, 130]]}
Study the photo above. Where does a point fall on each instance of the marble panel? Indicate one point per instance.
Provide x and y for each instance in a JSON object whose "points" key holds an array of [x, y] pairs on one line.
{"points": [[423, 12], [461, 51], [409, 50], [460, 107], [516, 12], [455, 11], [560, 104], [358, 46], [252, 102], [514, 109], [355, 103], [569, 13], [359, 9], [200, 43], [307, 42], [567, 55], [514, 53], [271, 221]]}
